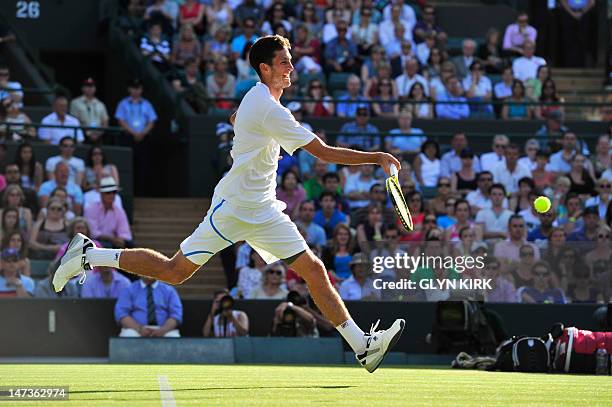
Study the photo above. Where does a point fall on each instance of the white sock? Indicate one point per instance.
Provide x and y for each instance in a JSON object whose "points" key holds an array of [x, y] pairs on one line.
{"points": [[103, 257], [353, 335]]}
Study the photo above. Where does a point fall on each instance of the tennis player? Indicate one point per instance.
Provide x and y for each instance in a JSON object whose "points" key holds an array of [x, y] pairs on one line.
{"points": [[244, 207]]}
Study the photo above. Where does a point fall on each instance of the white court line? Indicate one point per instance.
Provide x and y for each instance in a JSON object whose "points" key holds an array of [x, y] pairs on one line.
{"points": [[165, 392]]}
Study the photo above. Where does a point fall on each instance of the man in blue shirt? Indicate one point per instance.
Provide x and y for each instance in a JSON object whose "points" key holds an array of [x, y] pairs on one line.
{"points": [[61, 175], [349, 108], [365, 142], [540, 234], [454, 111], [315, 234], [341, 53], [329, 216], [105, 282], [12, 284], [588, 231], [149, 308], [248, 35]]}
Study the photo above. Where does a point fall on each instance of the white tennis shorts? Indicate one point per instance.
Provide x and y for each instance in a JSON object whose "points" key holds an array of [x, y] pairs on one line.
{"points": [[274, 239]]}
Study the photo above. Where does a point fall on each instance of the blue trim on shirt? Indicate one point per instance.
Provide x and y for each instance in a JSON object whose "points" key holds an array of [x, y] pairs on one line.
{"points": [[213, 225], [198, 252]]}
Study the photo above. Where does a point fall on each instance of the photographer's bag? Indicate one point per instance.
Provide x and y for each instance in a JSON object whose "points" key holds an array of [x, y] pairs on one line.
{"points": [[575, 350], [523, 354]]}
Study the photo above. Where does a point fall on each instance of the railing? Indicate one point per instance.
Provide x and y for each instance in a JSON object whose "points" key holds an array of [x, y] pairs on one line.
{"points": [[6, 127]]}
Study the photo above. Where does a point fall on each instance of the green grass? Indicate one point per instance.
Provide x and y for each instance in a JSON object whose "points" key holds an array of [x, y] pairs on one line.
{"points": [[137, 385]]}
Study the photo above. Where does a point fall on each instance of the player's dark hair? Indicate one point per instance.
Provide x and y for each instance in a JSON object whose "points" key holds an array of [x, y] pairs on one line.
{"points": [[264, 50]]}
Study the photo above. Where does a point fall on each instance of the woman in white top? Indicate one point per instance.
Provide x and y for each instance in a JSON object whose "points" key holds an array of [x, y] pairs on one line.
{"points": [[427, 164], [272, 286], [219, 14]]}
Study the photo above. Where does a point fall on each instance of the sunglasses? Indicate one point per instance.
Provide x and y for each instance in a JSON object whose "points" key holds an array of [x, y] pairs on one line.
{"points": [[277, 272], [603, 236]]}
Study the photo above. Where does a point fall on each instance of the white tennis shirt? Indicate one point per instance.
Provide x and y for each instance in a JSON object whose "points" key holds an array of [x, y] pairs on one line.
{"points": [[261, 128]]}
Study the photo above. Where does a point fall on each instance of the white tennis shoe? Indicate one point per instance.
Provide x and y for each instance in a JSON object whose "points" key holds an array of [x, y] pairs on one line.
{"points": [[73, 261], [379, 343]]}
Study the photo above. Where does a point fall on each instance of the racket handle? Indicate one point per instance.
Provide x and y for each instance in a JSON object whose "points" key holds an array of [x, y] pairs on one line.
{"points": [[393, 170]]}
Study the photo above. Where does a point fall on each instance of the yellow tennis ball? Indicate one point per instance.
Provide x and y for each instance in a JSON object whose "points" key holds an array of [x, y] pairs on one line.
{"points": [[542, 204]]}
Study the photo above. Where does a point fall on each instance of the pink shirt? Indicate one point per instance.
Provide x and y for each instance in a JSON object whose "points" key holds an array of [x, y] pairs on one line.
{"points": [[113, 222], [515, 39], [299, 196]]}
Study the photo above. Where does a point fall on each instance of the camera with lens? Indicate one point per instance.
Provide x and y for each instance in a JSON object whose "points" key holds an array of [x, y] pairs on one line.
{"points": [[225, 303]]}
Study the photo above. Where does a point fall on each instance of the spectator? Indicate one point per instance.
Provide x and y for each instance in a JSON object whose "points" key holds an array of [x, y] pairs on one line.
{"points": [[44, 288], [331, 183], [10, 91], [523, 203], [189, 84], [294, 318], [10, 221], [602, 159], [370, 141], [50, 233], [356, 188], [489, 160], [433, 64], [551, 129], [149, 308], [410, 76], [90, 111], [518, 34], [18, 120], [541, 233], [459, 108], [62, 195], [104, 282], [520, 271], [221, 84], [385, 104], [502, 289], [401, 53], [291, 193], [424, 49], [396, 15], [588, 232], [248, 31], [321, 106], [510, 172], [526, 67], [14, 198], [464, 61], [194, 13], [60, 179], [186, 47], [276, 16], [556, 245], [541, 292], [12, 284], [568, 262], [550, 100], [602, 246], [314, 186], [30, 198], [306, 51], [341, 52], [515, 107], [218, 47], [603, 198], [451, 161], [503, 89], [359, 286], [75, 225], [76, 166], [462, 214], [383, 73], [560, 162], [478, 88], [224, 321], [409, 139], [370, 228], [350, 102], [219, 14], [581, 181], [495, 220], [272, 286], [97, 167], [388, 248], [15, 240], [581, 291], [329, 215], [109, 222], [249, 276], [510, 248], [569, 206], [479, 199], [416, 206], [165, 13], [365, 33], [490, 52], [541, 176], [315, 234], [31, 170], [464, 181], [533, 86], [427, 164], [398, 46], [310, 18], [156, 48], [427, 25], [337, 255], [531, 149], [60, 118]]}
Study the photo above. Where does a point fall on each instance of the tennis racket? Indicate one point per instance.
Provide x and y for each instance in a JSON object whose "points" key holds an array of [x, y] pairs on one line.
{"points": [[397, 199]]}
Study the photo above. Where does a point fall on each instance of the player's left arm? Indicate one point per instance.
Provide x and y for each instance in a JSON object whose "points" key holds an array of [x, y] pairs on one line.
{"points": [[347, 156]]}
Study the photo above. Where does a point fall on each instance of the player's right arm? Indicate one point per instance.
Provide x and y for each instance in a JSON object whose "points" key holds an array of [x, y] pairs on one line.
{"points": [[347, 156]]}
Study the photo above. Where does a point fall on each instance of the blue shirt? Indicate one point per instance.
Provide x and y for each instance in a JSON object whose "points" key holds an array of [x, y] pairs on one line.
{"points": [[406, 143], [341, 266], [28, 285], [133, 302], [94, 286], [579, 236], [73, 190], [366, 142], [315, 234], [350, 109], [549, 296], [453, 111], [451, 163], [137, 115], [240, 41], [329, 225], [558, 164]]}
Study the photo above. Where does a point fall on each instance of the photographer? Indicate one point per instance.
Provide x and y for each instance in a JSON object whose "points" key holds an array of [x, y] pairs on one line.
{"points": [[224, 321], [292, 319]]}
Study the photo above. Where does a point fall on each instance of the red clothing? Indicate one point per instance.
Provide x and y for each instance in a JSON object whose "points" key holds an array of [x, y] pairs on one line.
{"points": [[415, 235]]}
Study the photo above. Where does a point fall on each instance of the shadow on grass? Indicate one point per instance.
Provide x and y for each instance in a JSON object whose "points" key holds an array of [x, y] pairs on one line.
{"points": [[214, 388]]}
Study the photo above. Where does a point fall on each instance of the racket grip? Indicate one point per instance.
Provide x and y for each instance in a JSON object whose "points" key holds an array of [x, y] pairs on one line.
{"points": [[393, 170]]}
